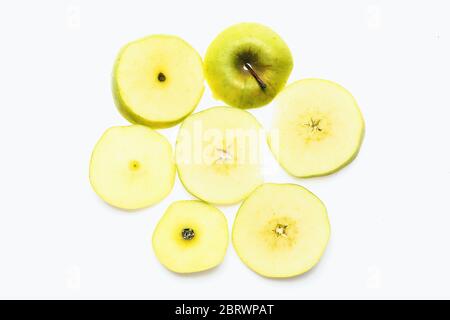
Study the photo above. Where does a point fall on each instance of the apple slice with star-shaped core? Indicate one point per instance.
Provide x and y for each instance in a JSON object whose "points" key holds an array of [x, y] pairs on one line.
{"points": [[132, 167], [247, 65], [191, 236], [157, 80], [281, 230], [317, 128], [218, 154]]}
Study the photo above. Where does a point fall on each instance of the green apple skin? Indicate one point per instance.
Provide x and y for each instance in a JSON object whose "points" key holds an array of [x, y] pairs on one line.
{"points": [[134, 118], [257, 45], [325, 173]]}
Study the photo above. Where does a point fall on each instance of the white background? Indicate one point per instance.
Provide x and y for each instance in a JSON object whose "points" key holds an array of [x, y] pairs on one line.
{"points": [[389, 210]]}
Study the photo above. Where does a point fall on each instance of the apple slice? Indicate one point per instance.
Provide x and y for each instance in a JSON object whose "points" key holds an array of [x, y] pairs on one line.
{"points": [[247, 65], [317, 128], [218, 156], [191, 236], [157, 81], [281, 230], [132, 167]]}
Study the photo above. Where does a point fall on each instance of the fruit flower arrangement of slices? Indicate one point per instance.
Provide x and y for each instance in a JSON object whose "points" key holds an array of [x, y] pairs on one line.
{"points": [[280, 230]]}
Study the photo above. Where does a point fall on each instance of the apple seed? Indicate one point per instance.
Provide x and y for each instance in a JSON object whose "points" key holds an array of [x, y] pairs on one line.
{"points": [[161, 77]]}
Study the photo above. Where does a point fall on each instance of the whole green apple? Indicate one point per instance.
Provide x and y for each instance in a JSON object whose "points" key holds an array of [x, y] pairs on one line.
{"points": [[247, 65]]}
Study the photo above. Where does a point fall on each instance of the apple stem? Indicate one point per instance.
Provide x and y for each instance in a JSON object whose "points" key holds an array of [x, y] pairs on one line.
{"points": [[250, 69]]}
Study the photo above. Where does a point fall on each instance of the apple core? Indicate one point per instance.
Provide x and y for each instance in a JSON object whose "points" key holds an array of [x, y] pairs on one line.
{"points": [[280, 230], [188, 234], [161, 77], [313, 125], [134, 165]]}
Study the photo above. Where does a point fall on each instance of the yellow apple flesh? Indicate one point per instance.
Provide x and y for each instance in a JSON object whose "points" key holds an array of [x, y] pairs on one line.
{"points": [[281, 230], [191, 236], [132, 167], [217, 154], [317, 129], [157, 81]]}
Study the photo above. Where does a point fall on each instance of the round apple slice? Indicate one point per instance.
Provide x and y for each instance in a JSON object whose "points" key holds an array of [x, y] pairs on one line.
{"points": [[281, 230], [247, 65], [218, 156], [157, 80], [132, 167], [191, 236], [317, 128]]}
